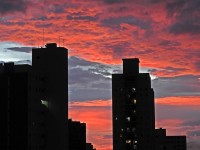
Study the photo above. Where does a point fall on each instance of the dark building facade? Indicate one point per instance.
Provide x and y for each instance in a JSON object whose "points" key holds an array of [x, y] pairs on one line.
{"points": [[50, 66], [14, 82], [164, 142], [89, 146], [34, 102], [77, 135], [133, 108], [133, 111]]}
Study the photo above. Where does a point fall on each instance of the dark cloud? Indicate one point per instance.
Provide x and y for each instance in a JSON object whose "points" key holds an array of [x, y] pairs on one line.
{"points": [[21, 49], [119, 50], [108, 136], [89, 18], [89, 80], [169, 43], [40, 18], [186, 85], [76, 61], [117, 21], [152, 70], [43, 25], [7, 6], [175, 6], [81, 16], [194, 133], [197, 65], [58, 9], [182, 7], [116, 1], [185, 27], [174, 112], [193, 145], [187, 20], [191, 123], [10, 23]]}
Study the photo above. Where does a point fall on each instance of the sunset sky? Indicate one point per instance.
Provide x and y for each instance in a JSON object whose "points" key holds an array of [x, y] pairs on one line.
{"points": [[164, 35]]}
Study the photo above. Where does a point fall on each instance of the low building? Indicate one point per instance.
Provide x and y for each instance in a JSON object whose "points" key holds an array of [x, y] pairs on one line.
{"points": [[77, 135], [89, 146], [164, 142]]}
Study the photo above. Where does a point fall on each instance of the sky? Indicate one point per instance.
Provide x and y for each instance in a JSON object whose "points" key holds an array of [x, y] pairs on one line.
{"points": [[164, 35]]}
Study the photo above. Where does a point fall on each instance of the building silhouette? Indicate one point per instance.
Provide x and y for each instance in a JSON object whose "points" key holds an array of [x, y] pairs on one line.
{"points": [[134, 114], [50, 66], [77, 135], [34, 102], [14, 117], [133, 108], [89, 146], [164, 142]]}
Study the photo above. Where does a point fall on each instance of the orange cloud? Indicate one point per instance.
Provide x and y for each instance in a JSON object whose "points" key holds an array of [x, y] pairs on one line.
{"points": [[103, 32], [179, 101]]}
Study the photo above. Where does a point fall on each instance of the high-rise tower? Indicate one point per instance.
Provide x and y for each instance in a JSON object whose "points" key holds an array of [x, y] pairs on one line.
{"points": [[50, 65], [133, 108]]}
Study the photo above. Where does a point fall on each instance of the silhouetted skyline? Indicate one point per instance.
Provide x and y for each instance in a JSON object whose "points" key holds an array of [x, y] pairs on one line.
{"points": [[34, 101], [134, 113], [163, 34]]}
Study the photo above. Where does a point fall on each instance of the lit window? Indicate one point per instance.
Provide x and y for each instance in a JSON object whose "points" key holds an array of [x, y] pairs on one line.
{"points": [[128, 129], [128, 118], [128, 141], [133, 89], [134, 101], [44, 102], [122, 130], [116, 118]]}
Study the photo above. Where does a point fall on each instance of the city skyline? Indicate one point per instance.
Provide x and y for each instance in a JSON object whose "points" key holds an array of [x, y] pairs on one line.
{"points": [[164, 35], [133, 113]]}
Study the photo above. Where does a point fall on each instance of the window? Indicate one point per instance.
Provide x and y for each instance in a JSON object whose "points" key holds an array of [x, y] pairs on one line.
{"points": [[128, 141], [128, 119], [44, 102], [135, 142], [133, 89], [134, 101]]}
